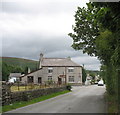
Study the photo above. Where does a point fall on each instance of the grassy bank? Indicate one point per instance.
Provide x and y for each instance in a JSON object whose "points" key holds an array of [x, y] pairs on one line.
{"points": [[112, 103], [25, 103]]}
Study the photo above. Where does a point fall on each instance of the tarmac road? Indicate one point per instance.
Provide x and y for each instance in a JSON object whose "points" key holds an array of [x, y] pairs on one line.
{"points": [[82, 99]]}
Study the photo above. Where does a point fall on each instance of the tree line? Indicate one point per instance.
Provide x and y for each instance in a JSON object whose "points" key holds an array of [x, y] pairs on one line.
{"points": [[97, 33], [8, 68]]}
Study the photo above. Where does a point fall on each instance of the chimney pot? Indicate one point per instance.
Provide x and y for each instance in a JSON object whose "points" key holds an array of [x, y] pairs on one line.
{"points": [[40, 60]]}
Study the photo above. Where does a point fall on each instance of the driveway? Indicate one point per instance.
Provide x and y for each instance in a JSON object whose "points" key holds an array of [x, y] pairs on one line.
{"points": [[82, 99]]}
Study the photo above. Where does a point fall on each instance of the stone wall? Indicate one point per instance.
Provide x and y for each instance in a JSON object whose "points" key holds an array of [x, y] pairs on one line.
{"points": [[5, 88], [11, 97]]}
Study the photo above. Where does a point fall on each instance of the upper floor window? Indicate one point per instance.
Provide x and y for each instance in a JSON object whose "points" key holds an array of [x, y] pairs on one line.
{"points": [[50, 70], [70, 69]]}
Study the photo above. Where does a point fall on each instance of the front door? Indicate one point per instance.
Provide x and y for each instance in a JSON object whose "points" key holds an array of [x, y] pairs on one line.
{"points": [[59, 80], [39, 80]]}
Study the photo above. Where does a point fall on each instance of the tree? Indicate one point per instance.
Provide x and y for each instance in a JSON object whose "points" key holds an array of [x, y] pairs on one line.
{"points": [[26, 70], [91, 23], [5, 72], [7, 69], [84, 75], [97, 33]]}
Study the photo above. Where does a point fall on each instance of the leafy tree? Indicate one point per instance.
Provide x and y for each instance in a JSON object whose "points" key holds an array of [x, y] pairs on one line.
{"points": [[84, 75], [90, 24], [97, 33], [7, 69], [26, 70], [92, 75]]}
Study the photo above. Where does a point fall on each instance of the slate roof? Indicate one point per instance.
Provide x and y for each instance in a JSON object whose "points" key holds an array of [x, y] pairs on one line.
{"points": [[15, 75], [59, 62]]}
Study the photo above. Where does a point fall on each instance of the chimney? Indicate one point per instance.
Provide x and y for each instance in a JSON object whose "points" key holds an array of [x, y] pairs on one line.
{"points": [[40, 60], [28, 70]]}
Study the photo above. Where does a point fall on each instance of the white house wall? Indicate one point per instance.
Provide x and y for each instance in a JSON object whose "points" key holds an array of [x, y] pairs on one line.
{"points": [[35, 75]]}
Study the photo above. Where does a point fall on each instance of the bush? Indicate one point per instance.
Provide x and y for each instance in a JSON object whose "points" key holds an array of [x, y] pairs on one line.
{"points": [[68, 87]]}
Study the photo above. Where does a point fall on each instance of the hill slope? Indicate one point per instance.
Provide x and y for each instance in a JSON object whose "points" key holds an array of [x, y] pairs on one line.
{"points": [[20, 62]]}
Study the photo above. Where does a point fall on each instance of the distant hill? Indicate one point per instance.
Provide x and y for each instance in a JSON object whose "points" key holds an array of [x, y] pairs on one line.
{"points": [[21, 62]]}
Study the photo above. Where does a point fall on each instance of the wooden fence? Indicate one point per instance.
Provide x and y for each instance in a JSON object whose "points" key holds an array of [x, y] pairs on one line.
{"points": [[29, 86]]}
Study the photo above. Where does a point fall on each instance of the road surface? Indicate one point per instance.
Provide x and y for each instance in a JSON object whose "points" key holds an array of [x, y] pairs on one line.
{"points": [[82, 99]]}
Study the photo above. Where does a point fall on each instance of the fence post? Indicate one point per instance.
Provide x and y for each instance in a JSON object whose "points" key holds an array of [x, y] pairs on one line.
{"points": [[40, 85], [25, 85], [18, 85], [30, 85], [45, 85]]}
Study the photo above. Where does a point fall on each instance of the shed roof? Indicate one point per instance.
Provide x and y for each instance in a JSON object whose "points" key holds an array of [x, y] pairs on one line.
{"points": [[15, 75]]}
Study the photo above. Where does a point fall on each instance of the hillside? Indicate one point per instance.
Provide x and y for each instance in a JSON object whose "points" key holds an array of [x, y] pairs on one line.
{"points": [[16, 65], [20, 62]]}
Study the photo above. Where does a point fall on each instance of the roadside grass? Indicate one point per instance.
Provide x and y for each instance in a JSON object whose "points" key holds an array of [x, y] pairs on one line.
{"points": [[0, 110], [25, 103], [112, 103]]}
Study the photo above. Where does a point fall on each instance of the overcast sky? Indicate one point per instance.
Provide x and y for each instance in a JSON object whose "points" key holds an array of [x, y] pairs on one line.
{"points": [[30, 27]]}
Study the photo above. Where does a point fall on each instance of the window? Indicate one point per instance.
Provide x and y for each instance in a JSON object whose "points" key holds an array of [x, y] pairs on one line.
{"points": [[20, 78], [49, 78], [50, 70], [70, 69], [39, 80], [30, 79], [71, 78]]}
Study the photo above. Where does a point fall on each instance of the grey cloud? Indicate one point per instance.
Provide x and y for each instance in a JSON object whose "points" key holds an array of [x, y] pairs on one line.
{"points": [[93, 67], [29, 37], [38, 7], [64, 53], [91, 63], [86, 60], [32, 45]]}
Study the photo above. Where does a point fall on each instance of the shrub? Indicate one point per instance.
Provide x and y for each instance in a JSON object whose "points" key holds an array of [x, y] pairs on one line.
{"points": [[68, 87]]}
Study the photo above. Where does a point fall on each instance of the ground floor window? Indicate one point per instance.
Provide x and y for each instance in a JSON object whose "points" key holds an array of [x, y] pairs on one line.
{"points": [[49, 78], [59, 80], [39, 80], [30, 79], [71, 78], [20, 78]]}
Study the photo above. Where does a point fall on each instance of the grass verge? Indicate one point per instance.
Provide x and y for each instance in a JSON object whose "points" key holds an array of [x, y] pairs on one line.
{"points": [[112, 103], [25, 103]]}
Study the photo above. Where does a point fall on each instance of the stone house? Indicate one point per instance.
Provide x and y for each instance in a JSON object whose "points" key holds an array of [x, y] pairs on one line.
{"points": [[59, 70]]}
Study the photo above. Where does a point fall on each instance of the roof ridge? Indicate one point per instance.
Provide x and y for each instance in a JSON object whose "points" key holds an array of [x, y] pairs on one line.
{"points": [[55, 58]]}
